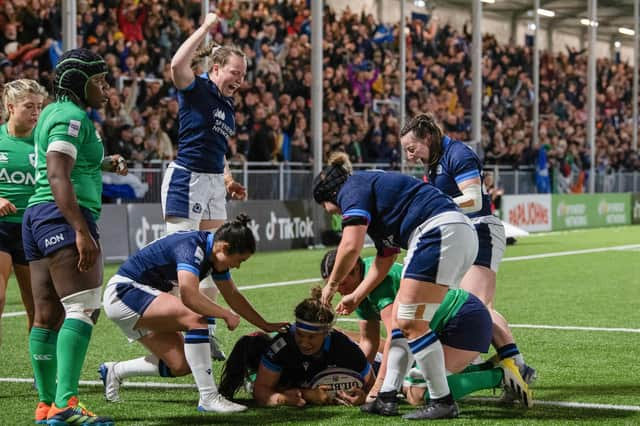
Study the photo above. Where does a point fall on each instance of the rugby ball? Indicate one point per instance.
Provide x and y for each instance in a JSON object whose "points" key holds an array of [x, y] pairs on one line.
{"points": [[337, 379]]}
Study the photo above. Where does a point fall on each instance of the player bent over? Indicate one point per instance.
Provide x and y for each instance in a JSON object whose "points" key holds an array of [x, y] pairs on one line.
{"points": [[461, 322], [138, 300]]}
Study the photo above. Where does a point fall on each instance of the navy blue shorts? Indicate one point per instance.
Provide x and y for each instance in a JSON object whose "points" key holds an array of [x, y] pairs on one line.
{"points": [[470, 329], [45, 230], [491, 241], [11, 242]]}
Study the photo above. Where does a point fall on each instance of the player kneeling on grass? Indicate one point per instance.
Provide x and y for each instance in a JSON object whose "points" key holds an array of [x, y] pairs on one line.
{"points": [[293, 367], [138, 300], [462, 324]]}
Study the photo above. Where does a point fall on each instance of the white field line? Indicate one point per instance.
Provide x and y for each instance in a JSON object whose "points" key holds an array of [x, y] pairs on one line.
{"points": [[549, 327], [507, 259], [169, 385], [566, 404], [570, 253]]}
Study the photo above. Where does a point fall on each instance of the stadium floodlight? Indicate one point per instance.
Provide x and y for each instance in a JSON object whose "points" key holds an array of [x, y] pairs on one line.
{"points": [[546, 12], [585, 21], [626, 31]]}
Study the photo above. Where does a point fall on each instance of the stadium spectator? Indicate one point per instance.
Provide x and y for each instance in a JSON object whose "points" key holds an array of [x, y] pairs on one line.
{"points": [[310, 345], [22, 102], [157, 142], [140, 300], [367, 202], [438, 73]]}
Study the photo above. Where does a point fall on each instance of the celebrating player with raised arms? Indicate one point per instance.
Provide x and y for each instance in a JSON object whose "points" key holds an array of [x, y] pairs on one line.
{"points": [[138, 300], [195, 185], [22, 101], [60, 235]]}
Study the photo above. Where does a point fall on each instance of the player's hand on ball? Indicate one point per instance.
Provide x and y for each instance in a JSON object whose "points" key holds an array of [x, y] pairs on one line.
{"points": [[232, 320], [355, 396], [319, 395], [293, 397]]}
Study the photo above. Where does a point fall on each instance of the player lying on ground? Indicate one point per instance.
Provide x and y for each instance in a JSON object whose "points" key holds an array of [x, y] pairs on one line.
{"points": [[287, 365]]}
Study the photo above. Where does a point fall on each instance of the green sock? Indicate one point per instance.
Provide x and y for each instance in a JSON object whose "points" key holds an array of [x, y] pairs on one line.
{"points": [[487, 365], [463, 384], [42, 351], [73, 341]]}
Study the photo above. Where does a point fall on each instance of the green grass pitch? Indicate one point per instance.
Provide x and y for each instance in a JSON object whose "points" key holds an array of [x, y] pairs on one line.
{"points": [[587, 371]]}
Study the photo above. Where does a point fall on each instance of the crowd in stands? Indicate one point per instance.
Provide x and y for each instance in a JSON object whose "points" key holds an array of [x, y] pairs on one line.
{"points": [[361, 82]]}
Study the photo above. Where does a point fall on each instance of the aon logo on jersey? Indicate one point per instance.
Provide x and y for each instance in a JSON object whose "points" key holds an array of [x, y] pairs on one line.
{"points": [[17, 177]]}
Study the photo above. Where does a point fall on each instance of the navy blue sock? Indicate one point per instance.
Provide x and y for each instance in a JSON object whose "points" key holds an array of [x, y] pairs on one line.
{"points": [[508, 351]]}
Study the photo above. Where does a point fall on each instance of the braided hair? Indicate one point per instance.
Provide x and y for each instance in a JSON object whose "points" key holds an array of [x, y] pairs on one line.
{"points": [[73, 71], [329, 182], [238, 235], [425, 128]]}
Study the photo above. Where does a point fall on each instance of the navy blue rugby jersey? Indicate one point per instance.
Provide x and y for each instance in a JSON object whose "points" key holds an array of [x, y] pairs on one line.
{"points": [[392, 204], [158, 263], [458, 164], [297, 369], [207, 121]]}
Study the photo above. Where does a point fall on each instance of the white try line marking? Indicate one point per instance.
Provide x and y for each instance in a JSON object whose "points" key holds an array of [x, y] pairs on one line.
{"points": [[507, 259], [549, 327], [169, 385], [572, 252], [566, 404]]}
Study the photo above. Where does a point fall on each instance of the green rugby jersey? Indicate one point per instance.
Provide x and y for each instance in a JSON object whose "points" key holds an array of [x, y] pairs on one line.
{"points": [[385, 293], [381, 296], [66, 125], [17, 172]]}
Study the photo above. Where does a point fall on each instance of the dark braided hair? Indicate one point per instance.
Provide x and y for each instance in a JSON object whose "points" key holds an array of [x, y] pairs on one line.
{"points": [[73, 71], [238, 235], [425, 128], [329, 182]]}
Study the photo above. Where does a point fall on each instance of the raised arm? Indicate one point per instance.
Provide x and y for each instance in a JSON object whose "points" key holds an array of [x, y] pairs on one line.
{"points": [[181, 72]]}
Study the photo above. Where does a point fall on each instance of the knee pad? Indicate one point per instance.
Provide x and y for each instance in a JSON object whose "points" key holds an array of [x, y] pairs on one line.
{"points": [[175, 224], [415, 311], [83, 306]]}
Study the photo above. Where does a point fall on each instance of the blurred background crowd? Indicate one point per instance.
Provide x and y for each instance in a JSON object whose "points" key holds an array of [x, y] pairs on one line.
{"points": [[361, 83]]}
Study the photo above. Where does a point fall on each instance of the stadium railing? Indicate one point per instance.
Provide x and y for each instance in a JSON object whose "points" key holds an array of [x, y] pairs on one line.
{"points": [[292, 181]]}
